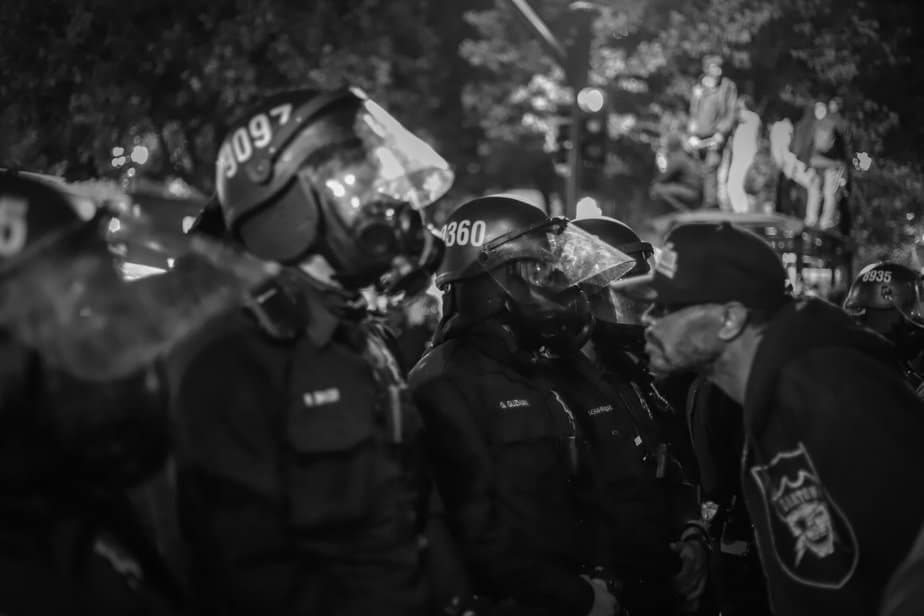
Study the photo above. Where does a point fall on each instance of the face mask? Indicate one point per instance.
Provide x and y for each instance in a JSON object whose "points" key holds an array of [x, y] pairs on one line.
{"points": [[617, 336], [412, 274], [561, 322], [909, 340]]}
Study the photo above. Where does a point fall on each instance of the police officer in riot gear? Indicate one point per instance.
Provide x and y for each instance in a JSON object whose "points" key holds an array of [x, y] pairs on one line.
{"points": [[507, 454], [652, 513], [617, 343], [83, 414], [885, 297], [713, 452], [300, 486], [618, 328]]}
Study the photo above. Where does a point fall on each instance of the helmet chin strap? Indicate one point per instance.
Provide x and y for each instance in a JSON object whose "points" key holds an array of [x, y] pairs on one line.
{"points": [[560, 326], [628, 337], [910, 319]]}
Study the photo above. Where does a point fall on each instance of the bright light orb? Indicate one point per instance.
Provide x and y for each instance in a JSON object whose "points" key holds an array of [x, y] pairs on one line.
{"points": [[587, 207], [591, 100], [140, 154]]}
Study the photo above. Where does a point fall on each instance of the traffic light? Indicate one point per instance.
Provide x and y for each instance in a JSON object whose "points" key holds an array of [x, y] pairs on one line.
{"points": [[594, 140], [563, 140]]}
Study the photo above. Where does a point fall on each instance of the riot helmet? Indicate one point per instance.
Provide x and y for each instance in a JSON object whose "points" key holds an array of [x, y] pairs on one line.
{"points": [[21, 223], [618, 311], [332, 174], [506, 259], [83, 396], [885, 297], [485, 221], [620, 235]]}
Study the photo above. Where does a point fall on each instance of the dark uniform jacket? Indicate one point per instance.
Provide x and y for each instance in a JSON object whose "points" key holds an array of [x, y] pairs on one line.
{"points": [[646, 502], [630, 463], [904, 596], [80, 552], [717, 431], [504, 451], [832, 463], [66, 546], [713, 110], [299, 490], [665, 427]]}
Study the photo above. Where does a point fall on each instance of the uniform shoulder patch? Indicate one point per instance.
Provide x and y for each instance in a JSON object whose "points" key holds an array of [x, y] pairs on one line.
{"points": [[812, 538]]}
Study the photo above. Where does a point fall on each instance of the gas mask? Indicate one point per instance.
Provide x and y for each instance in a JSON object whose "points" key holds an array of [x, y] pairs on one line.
{"points": [[618, 314], [545, 314], [908, 336], [412, 272], [342, 179], [540, 271]]}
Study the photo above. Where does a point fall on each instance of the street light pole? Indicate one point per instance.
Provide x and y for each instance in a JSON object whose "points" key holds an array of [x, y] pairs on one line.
{"points": [[575, 62], [552, 44], [577, 71]]}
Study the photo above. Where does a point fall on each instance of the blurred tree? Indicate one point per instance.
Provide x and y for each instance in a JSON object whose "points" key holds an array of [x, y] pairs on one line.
{"points": [[78, 79], [783, 52]]}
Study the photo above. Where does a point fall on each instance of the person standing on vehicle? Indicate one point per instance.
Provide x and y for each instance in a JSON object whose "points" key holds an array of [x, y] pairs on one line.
{"points": [[301, 490], [744, 145], [713, 113], [830, 161]]}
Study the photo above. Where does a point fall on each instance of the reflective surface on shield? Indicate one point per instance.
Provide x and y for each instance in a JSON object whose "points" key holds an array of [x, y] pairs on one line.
{"points": [[557, 256], [385, 162], [67, 299]]}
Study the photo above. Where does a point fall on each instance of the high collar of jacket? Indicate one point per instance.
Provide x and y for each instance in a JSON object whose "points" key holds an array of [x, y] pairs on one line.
{"points": [[325, 306], [801, 326], [491, 338]]}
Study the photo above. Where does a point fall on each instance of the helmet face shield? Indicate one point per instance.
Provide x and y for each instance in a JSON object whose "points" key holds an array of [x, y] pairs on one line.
{"points": [[369, 183], [624, 306], [67, 300], [542, 270], [379, 161], [885, 286], [557, 256]]}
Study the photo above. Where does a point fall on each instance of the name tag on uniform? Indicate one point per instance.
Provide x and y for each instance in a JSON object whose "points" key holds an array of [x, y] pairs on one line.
{"points": [[321, 397], [513, 404]]}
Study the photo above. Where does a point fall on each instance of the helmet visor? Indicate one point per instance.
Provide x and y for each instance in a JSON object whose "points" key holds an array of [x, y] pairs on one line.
{"points": [[380, 161], [67, 299], [555, 256]]}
